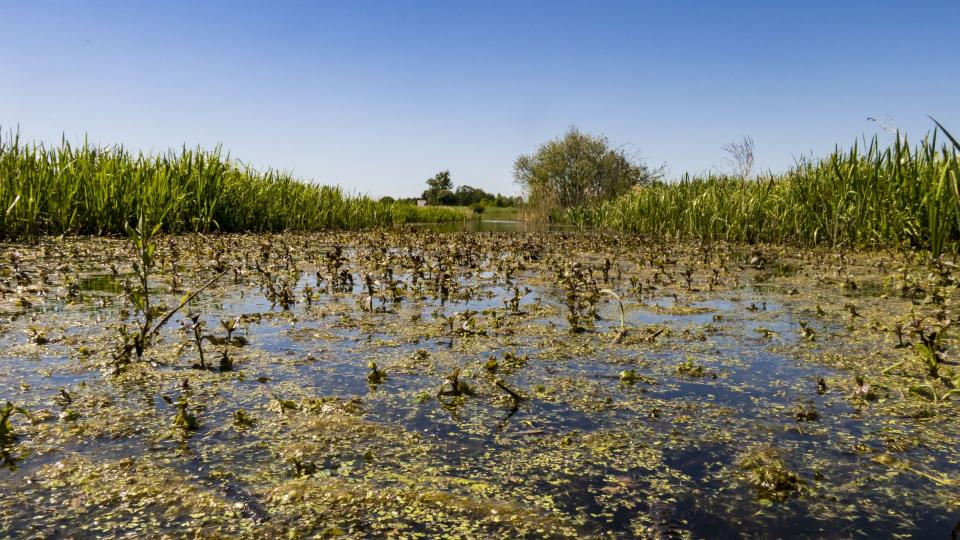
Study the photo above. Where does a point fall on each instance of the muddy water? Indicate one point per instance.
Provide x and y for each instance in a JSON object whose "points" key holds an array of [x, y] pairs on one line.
{"points": [[709, 412]]}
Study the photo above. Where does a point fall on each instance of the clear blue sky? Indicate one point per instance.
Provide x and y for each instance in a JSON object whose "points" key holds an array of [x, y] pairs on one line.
{"points": [[378, 96]]}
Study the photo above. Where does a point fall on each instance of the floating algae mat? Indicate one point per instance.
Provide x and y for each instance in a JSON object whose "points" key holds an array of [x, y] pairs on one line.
{"points": [[415, 384]]}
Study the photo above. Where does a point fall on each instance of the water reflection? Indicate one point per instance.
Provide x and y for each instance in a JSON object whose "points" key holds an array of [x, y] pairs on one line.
{"points": [[479, 225]]}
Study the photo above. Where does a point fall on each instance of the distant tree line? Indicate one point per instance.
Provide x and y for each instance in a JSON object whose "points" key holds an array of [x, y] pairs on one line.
{"points": [[572, 170], [440, 191]]}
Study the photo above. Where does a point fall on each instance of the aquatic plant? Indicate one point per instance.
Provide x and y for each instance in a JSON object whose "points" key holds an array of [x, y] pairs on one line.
{"points": [[930, 348], [582, 296], [805, 412], [630, 377], [864, 391], [622, 332], [514, 396], [242, 420], [184, 420], [690, 369], [454, 386], [278, 289], [513, 304], [37, 335], [766, 470], [7, 434], [376, 375], [195, 327], [366, 303], [230, 326], [806, 332], [142, 237]]}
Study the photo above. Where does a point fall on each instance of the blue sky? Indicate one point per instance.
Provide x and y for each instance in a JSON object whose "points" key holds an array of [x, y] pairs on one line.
{"points": [[378, 96]]}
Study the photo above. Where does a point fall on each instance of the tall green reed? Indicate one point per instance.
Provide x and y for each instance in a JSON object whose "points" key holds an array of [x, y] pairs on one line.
{"points": [[867, 196], [86, 189]]}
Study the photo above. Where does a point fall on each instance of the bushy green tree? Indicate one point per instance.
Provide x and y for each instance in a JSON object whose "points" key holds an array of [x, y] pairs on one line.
{"points": [[578, 168], [446, 198], [439, 183], [503, 201], [467, 195]]}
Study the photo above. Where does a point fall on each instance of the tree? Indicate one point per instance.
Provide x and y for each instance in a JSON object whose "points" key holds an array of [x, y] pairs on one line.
{"points": [[440, 191], [467, 195], [578, 168], [438, 183], [446, 197]]}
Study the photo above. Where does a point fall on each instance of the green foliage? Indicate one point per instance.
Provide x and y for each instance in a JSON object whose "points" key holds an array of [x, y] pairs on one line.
{"points": [[439, 186], [99, 190], [6, 427], [440, 191], [765, 469], [865, 197], [375, 375], [445, 197], [577, 169], [471, 196], [440, 181], [142, 238], [185, 420]]}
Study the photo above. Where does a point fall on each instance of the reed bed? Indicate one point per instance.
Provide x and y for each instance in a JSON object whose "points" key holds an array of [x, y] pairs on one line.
{"points": [[86, 189], [867, 196]]}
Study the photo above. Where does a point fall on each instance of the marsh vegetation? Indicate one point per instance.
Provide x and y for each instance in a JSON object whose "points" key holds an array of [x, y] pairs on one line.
{"points": [[415, 383], [87, 189], [869, 195]]}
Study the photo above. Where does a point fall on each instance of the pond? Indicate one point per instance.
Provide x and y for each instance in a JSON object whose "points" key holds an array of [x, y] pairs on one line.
{"points": [[532, 383]]}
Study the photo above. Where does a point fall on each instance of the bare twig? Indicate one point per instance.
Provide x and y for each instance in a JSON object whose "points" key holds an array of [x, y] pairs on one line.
{"points": [[185, 302]]}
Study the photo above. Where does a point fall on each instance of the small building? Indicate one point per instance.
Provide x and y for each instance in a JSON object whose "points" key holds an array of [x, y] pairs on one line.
{"points": [[421, 202]]}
